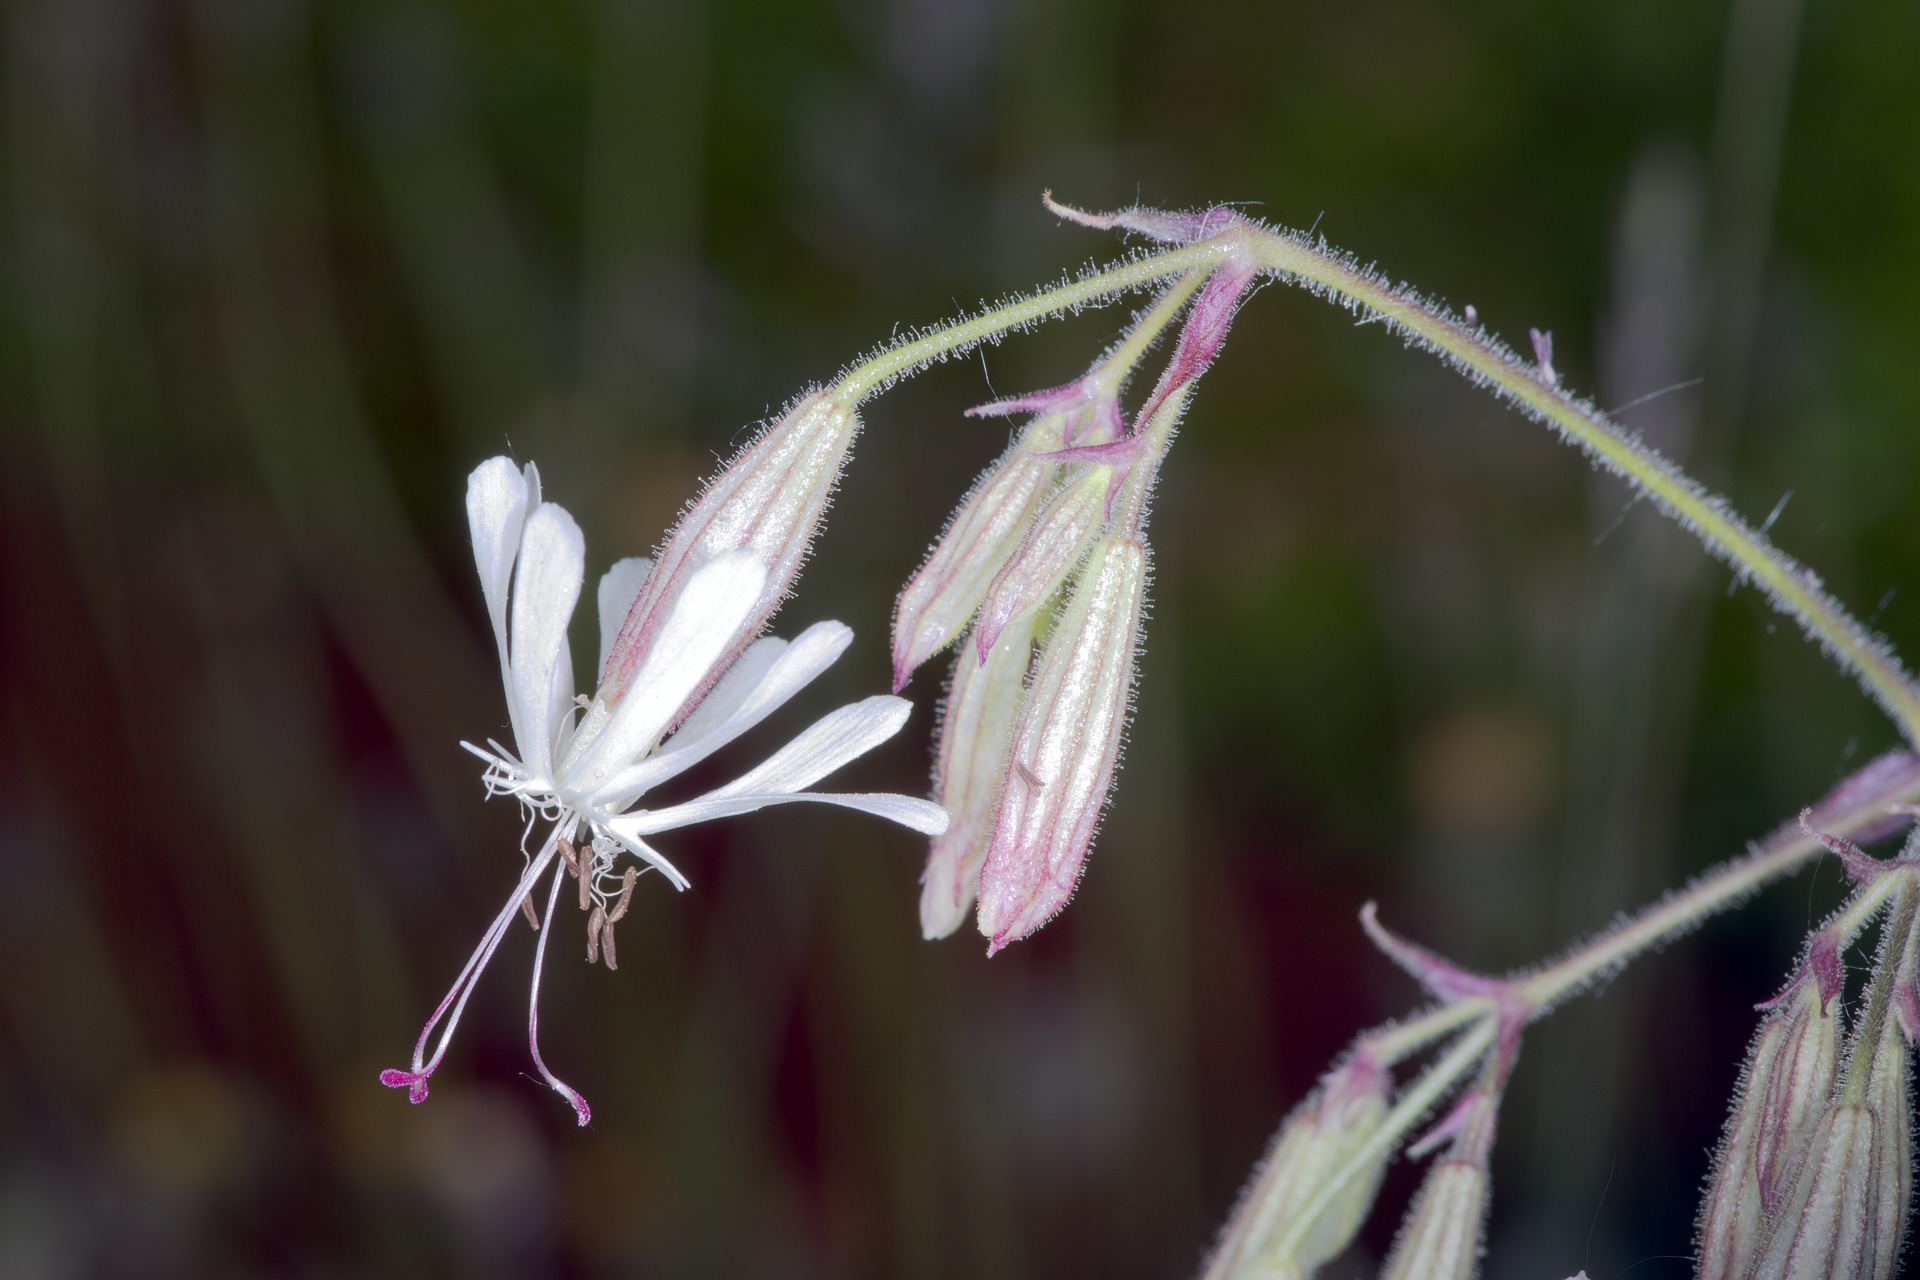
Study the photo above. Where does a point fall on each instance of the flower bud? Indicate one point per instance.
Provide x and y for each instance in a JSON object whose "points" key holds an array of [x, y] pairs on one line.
{"points": [[1314, 1142], [1787, 1080], [976, 730], [1440, 1239], [1890, 1098], [1059, 538], [1065, 746], [769, 500], [1830, 1221], [940, 600]]}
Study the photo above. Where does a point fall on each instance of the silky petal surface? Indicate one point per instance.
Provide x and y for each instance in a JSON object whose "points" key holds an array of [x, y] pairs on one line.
{"points": [[496, 511], [619, 587], [923, 816], [796, 665], [718, 598], [553, 557]]}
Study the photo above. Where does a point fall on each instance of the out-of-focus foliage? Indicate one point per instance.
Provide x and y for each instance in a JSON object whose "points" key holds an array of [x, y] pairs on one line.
{"points": [[277, 274]]}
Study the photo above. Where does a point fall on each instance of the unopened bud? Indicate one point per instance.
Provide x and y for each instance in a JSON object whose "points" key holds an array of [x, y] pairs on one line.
{"points": [[1059, 538], [1440, 1239], [1890, 1098], [768, 500], [1828, 1225], [1315, 1142], [976, 729], [986, 530], [1065, 746], [1787, 1080]]}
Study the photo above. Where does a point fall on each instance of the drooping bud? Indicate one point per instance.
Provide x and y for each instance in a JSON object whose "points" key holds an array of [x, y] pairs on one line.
{"points": [[1828, 1225], [1786, 1082], [1890, 1098], [1059, 538], [1317, 1139], [1440, 1238], [976, 731], [1065, 746], [769, 499], [996, 516]]}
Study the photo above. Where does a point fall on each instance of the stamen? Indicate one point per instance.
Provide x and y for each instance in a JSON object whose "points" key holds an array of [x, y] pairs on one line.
{"points": [[606, 943], [586, 880], [526, 909]]}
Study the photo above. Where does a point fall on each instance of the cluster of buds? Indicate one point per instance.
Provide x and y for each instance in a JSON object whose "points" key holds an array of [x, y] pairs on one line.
{"points": [[1814, 1173], [1322, 1173], [1043, 571]]}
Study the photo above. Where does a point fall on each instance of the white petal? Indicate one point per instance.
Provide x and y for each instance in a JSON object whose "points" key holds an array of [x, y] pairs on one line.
{"points": [[833, 740], [715, 602], [743, 678], [619, 588], [496, 510], [728, 710], [759, 691], [923, 816], [545, 589]]}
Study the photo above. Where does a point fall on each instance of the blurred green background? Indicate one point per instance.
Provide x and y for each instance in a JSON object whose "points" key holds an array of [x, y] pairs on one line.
{"points": [[278, 274]]}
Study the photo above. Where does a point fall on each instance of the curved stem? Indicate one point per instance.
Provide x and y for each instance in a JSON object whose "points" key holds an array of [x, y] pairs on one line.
{"points": [[878, 371], [1860, 806], [1793, 589]]}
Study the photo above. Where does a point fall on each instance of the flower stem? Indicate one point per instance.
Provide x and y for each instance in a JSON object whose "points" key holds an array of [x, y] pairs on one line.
{"points": [[1793, 589], [881, 369], [1715, 891]]}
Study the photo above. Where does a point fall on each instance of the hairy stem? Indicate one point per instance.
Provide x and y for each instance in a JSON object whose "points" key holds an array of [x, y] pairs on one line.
{"points": [[1793, 589], [880, 370]]}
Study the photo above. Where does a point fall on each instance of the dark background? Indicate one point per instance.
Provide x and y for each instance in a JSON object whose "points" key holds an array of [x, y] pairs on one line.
{"points": [[276, 275]]}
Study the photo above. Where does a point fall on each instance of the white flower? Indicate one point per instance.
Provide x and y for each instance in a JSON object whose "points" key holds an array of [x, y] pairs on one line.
{"points": [[582, 765]]}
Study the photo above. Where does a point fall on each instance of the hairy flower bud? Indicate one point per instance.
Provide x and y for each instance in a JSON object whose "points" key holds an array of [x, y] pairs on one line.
{"points": [[768, 500], [1890, 1098], [1828, 1225], [1059, 538], [976, 731], [1065, 746], [1440, 1239], [1787, 1080], [1311, 1146], [940, 600]]}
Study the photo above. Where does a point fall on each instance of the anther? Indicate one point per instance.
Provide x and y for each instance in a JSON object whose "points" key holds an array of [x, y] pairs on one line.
{"points": [[606, 943], [621, 903], [570, 858], [586, 880], [526, 909], [596, 923]]}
